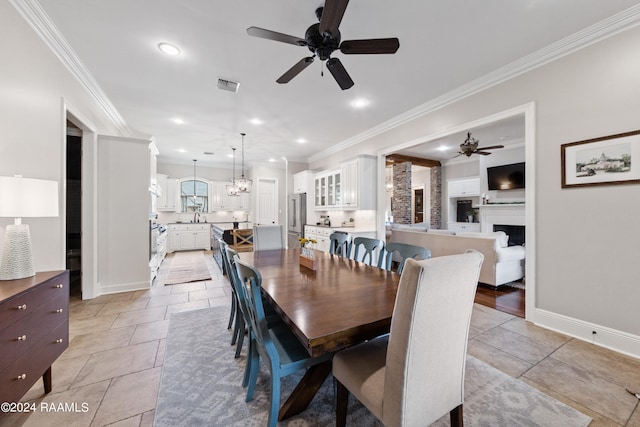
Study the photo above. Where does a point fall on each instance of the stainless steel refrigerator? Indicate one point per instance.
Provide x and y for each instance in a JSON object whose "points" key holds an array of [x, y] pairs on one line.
{"points": [[296, 217]]}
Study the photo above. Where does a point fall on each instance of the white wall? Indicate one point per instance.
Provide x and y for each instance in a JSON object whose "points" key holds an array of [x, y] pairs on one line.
{"points": [[587, 239], [33, 87], [123, 214]]}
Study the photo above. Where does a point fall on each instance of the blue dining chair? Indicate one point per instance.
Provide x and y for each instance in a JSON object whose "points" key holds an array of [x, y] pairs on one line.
{"points": [[234, 308], [237, 338], [369, 246], [340, 244], [280, 349], [402, 251]]}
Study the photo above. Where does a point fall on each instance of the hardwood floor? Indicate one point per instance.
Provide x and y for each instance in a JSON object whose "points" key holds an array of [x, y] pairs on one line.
{"points": [[504, 298]]}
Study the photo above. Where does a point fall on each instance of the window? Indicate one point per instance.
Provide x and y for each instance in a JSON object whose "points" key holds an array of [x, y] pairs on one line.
{"points": [[190, 188]]}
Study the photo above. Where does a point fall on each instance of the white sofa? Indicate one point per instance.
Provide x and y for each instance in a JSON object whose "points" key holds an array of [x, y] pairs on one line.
{"points": [[502, 264]]}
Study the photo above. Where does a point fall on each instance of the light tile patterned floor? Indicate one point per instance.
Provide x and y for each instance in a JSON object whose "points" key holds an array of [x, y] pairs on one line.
{"points": [[117, 342]]}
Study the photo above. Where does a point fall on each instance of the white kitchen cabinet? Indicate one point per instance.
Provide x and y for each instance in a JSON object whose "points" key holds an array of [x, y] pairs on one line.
{"points": [[461, 227], [186, 237], [328, 190], [303, 182], [465, 187], [168, 188], [221, 201], [358, 183]]}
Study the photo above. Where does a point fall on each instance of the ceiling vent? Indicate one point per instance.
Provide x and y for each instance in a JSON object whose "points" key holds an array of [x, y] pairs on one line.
{"points": [[228, 85]]}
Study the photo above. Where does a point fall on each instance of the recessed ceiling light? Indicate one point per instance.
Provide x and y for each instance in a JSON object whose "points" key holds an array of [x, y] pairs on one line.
{"points": [[301, 141], [272, 160], [359, 103], [169, 49], [256, 121], [443, 148], [178, 121], [181, 150]]}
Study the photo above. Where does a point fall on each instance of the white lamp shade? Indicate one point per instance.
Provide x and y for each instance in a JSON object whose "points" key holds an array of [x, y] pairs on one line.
{"points": [[28, 197]]}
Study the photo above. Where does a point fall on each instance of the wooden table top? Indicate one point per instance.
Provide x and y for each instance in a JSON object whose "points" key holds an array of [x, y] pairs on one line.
{"points": [[340, 304]]}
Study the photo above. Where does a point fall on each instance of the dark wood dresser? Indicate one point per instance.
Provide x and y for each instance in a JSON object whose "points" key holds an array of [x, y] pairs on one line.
{"points": [[34, 330]]}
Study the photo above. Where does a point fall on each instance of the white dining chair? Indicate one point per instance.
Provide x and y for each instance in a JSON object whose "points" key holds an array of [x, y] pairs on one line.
{"points": [[268, 237], [415, 374]]}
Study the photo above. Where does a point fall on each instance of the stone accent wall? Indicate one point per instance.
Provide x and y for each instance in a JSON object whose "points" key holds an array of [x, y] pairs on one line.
{"points": [[402, 193], [436, 197]]}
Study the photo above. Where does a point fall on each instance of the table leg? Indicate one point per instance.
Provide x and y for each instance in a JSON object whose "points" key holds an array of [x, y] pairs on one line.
{"points": [[305, 390]]}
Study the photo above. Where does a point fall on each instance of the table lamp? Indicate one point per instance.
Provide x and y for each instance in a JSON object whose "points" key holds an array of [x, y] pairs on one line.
{"points": [[23, 198]]}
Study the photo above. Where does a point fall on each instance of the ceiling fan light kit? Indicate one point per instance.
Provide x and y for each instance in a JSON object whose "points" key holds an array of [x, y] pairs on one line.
{"points": [[470, 146], [323, 38]]}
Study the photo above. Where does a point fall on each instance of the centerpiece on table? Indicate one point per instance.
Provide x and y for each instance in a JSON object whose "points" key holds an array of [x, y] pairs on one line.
{"points": [[307, 257]]}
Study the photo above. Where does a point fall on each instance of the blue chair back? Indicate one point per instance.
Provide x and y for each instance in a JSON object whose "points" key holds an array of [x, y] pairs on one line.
{"points": [[404, 251], [369, 246], [340, 244], [250, 280]]}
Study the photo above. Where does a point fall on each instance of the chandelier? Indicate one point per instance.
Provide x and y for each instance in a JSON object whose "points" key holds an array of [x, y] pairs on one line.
{"points": [[243, 184], [232, 189]]}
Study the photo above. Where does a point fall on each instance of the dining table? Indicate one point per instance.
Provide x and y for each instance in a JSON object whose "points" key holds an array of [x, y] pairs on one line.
{"points": [[338, 304]]}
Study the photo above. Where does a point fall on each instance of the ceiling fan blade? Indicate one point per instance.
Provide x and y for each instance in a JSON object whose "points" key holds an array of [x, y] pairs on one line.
{"points": [[491, 147], [295, 70], [484, 153], [370, 46], [339, 73], [272, 35], [332, 16]]}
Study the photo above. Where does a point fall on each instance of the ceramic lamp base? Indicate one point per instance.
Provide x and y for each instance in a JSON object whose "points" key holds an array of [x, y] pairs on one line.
{"points": [[17, 258]]}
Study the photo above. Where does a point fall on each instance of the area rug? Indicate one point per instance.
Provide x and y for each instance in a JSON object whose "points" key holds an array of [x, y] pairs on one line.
{"points": [[187, 267], [201, 386]]}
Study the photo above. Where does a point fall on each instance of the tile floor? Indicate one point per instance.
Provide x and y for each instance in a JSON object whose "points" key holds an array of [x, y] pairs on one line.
{"points": [[114, 360]]}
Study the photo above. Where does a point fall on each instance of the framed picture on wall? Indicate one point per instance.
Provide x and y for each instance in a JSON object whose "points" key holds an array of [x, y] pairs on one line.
{"points": [[609, 160]]}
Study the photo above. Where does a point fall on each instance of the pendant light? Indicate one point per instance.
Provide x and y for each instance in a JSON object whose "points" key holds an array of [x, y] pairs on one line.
{"points": [[232, 189], [195, 196], [243, 184]]}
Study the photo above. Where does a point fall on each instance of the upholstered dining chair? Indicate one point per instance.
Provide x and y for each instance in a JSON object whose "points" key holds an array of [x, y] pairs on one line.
{"points": [[266, 237], [415, 375], [340, 244], [282, 352], [401, 251], [371, 247]]}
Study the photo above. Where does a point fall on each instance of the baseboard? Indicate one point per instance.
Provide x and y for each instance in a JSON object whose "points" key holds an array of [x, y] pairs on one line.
{"points": [[124, 287], [621, 342]]}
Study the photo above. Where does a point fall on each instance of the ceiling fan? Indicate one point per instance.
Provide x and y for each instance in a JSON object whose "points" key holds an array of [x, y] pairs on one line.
{"points": [[323, 39], [470, 146]]}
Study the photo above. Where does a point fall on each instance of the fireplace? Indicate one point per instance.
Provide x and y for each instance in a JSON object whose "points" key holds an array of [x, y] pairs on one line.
{"points": [[515, 233]]}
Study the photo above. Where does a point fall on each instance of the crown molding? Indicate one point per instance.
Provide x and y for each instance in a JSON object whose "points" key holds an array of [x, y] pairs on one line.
{"points": [[40, 22], [604, 29]]}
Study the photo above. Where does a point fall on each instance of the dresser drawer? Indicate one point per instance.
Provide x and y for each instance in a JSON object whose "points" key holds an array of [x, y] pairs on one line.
{"points": [[17, 378], [21, 336], [15, 308]]}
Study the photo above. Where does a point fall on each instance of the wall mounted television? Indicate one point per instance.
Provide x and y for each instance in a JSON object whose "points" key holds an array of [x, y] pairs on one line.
{"points": [[506, 177]]}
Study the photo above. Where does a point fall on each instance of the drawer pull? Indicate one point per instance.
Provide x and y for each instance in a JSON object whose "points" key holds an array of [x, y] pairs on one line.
{"points": [[60, 286], [22, 307], [59, 310], [22, 338], [22, 377], [59, 341]]}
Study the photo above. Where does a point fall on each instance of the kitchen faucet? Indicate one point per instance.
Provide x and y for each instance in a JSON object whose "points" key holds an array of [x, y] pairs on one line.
{"points": [[196, 216]]}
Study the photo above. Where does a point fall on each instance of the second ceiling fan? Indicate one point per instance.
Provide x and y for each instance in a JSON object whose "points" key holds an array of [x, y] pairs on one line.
{"points": [[470, 146], [323, 38]]}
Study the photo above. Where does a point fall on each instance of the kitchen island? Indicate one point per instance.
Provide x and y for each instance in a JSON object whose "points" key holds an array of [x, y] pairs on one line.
{"points": [[223, 231]]}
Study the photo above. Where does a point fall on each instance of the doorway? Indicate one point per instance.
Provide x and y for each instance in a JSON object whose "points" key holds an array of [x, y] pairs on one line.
{"points": [[526, 115], [418, 205], [73, 208], [267, 201]]}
